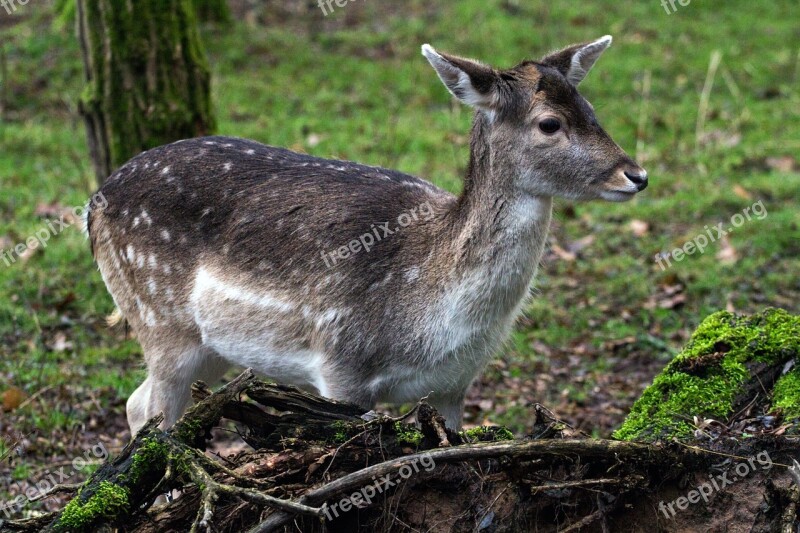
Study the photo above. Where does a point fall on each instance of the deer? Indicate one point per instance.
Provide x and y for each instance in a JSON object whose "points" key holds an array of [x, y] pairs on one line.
{"points": [[222, 252]]}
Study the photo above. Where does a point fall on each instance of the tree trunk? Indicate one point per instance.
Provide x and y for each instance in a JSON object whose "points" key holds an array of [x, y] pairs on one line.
{"points": [[148, 81], [212, 10]]}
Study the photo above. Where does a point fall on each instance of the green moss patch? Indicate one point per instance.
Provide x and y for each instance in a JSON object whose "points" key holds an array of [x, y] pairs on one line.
{"points": [[786, 394], [408, 434], [151, 455], [487, 434], [709, 374], [107, 502]]}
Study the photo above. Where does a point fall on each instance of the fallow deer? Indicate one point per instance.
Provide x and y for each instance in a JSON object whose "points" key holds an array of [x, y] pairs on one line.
{"points": [[221, 251]]}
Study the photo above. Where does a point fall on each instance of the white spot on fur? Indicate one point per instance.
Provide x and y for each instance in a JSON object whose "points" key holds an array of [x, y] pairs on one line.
{"points": [[227, 166], [150, 318], [165, 170], [165, 235], [131, 253], [250, 151], [412, 274], [327, 317]]}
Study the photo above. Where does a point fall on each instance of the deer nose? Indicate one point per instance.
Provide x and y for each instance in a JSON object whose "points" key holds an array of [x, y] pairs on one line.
{"points": [[638, 177]]}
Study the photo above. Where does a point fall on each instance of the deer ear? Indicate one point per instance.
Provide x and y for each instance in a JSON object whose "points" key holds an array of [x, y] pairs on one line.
{"points": [[471, 82], [575, 61]]}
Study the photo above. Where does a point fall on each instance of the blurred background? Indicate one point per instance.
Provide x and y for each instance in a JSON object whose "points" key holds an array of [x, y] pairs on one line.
{"points": [[704, 95]]}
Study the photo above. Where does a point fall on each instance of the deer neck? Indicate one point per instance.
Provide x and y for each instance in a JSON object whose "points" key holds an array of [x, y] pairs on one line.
{"points": [[499, 231]]}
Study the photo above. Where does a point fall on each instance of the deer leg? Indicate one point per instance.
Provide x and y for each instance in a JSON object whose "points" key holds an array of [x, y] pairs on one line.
{"points": [[451, 407], [172, 368]]}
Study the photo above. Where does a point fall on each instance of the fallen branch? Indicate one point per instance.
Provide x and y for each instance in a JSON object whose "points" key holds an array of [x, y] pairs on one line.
{"points": [[310, 453]]}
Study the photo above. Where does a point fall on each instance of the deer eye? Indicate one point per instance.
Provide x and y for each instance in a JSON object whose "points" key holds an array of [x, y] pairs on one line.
{"points": [[550, 125]]}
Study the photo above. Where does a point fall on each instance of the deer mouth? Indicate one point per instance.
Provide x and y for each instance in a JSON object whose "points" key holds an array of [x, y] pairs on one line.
{"points": [[617, 195]]}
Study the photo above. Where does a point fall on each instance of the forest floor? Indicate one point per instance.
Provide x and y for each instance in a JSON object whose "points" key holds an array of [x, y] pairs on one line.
{"points": [[718, 142]]}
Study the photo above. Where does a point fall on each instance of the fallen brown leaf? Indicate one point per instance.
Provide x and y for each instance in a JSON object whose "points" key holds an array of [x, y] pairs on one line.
{"points": [[741, 192], [639, 227], [12, 398], [727, 254]]}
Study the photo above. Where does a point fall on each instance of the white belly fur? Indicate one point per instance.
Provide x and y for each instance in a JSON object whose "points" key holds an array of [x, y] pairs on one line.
{"points": [[236, 323]]}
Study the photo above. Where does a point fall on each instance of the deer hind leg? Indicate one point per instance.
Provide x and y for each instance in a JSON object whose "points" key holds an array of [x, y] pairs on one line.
{"points": [[451, 407], [174, 362]]}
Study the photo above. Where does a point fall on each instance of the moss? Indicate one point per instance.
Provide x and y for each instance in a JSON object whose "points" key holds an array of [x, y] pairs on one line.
{"points": [[408, 434], [786, 394], [341, 431], [487, 434], [107, 502], [157, 101], [189, 431], [706, 377], [150, 455]]}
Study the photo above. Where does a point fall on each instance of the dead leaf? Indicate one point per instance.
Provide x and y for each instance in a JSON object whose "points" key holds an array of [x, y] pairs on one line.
{"points": [[12, 398], [727, 254], [314, 139], [741, 192], [562, 253], [576, 246], [639, 227], [28, 252], [52, 210], [668, 297], [60, 342], [782, 164]]}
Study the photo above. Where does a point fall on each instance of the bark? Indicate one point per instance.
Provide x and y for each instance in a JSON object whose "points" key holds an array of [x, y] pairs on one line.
{"points": [[318, 465], [212, 10], [147, 78]]}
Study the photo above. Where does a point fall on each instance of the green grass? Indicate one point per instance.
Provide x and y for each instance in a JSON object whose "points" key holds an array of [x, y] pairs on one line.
{"points": [[363, 90]]}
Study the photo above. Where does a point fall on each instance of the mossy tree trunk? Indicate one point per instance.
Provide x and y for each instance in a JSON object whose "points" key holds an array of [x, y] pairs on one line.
{"points": [[212, 10], [148, 81]]}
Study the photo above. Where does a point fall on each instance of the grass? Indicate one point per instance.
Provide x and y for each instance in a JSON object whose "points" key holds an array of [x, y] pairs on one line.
{"points": [[360, 90]]}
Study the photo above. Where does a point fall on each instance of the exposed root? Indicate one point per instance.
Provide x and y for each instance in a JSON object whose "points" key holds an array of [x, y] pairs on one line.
{"points": [[312, 455]]}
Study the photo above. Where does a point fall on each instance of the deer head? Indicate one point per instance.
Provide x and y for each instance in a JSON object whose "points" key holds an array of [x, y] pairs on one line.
{"points": [[540, 135]]}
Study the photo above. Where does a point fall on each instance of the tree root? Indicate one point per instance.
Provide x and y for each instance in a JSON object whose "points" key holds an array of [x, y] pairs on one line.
{"points": [[318, 461]]}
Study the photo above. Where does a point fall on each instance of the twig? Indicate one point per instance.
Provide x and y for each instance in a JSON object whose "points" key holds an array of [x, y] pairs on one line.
{"points": [[579, 483], [66, 487], [705, 95], [641, 127], [203, 479], [584, 521]]}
